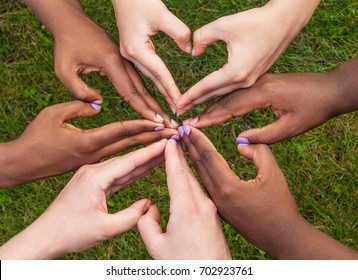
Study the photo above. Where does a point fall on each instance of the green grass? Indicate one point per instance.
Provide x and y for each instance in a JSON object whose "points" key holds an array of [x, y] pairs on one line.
{"points": [[320, 166]]}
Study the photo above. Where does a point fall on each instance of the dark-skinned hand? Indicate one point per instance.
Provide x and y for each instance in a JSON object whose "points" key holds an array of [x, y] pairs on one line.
{"points": [[50, 146], [262, 209]]}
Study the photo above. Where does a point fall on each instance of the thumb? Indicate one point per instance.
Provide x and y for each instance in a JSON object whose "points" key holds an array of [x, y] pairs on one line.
{"points": [[206, 35], [74, 109], [150, 229], [177, 30], [77, 86], [262, 156], [283, 128], [126, 219]]}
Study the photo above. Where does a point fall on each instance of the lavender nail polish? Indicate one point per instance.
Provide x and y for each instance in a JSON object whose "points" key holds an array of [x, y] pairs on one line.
{"points": [[181, 131], [175, 137], [186, 130], [242, 141], [96, 106], [159, 128]]}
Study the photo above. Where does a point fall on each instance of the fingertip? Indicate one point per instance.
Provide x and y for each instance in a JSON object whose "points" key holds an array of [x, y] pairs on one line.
{"points": [[96, 106], [241, 141], [191, 121], [245, 150]]}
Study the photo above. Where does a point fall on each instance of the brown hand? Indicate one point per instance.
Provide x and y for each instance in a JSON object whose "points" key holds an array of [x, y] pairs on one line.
{"points": [[50, 146], [301, 102], [263, 209]]}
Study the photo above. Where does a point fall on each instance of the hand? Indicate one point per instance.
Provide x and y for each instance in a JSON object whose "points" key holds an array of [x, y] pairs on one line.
{"points": [[254, 38], [78, 219], [300, 101], [194, 230], [263, 209], [138, 21], [81, 47], [50, 146]]}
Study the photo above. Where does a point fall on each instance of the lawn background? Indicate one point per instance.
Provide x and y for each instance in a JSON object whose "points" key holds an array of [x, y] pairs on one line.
{"points": [[320, 166]]}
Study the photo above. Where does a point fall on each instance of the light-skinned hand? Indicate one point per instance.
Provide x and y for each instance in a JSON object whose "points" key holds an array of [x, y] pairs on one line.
{"points": [[262, 209], [82, 46], [138, 21], [300, 101], [255, 39], [194, 230], [78, 219], [51, 146]]}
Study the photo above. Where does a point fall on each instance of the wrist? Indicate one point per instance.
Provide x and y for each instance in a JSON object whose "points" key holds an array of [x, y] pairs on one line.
{"points": [[9, 173], [56, 15], [344, 86]]}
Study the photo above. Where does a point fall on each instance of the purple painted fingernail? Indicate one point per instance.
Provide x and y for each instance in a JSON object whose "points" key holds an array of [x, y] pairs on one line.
{"points": [[242, 141], [186, 130], [96, 106], [181, 131], [175, 137], [159, 128]]}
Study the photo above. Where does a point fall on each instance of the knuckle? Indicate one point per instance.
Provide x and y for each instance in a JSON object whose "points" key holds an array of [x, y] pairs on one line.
{"points": [[241, 77], [185, 33], [221, 24], [85, 171], [109, 57], [133, 142], [124, 132], [60, 70], [209, 207], [226, 192], [88, 144], [181, 171], [50, 113], [128, 51], [227, 104], [206, 156]]}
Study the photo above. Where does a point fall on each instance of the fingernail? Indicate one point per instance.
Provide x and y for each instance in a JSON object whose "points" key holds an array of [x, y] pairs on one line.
{"points": [[173, 122], [172, 108], [242, 141], [175, 137], [159, 128], [159, 117], [191, 121], [96, 106], [99, 102], [146, 206], [188, 47], [186, 130], [181, 131]]}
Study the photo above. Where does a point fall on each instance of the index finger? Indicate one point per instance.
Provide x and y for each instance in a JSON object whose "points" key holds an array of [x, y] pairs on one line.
{"points": [[200, 92], [178, 176], [123, 83], [149, 99], [154, 68], [121, 166], [212, 164]]}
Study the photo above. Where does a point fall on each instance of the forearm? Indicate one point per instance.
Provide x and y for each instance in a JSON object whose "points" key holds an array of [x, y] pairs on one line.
{"points": [[295, 13], [304, 241], [56, 15], [38, 241], [345, 84], [8, 162]]}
